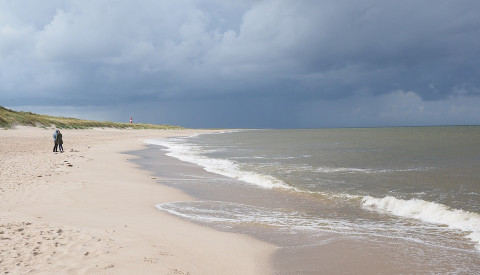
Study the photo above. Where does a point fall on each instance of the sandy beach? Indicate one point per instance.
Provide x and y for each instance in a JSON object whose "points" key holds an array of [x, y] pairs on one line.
{"points": [[90, 210]]}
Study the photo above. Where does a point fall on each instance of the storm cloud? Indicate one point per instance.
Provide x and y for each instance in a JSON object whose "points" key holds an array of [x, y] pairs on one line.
{"points": [[213, 63]]}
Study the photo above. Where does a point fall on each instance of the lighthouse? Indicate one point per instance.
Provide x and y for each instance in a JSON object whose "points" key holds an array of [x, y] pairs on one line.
{"points": [[131, 121]]}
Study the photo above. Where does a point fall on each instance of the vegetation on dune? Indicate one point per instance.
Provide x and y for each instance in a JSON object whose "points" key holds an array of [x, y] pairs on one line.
{"points": [[10, 118]]}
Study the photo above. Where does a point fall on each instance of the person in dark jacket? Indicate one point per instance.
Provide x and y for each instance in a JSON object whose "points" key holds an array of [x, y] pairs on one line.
{"points": [[55, 134], [60, 141]]}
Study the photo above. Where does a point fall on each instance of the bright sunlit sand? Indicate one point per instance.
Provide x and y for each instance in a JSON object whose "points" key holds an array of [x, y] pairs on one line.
{"points": [[90, 210]]}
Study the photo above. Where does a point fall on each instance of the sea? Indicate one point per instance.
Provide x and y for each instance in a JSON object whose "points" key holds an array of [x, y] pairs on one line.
{"points": [[399, 200]]}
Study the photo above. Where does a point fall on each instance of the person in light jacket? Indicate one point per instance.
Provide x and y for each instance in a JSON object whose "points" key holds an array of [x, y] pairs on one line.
{"points": [[55, 147]]}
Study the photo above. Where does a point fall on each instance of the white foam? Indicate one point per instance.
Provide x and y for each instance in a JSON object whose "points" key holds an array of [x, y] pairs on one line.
{"points": [[430, 212], [226, 214], [180, 149], [193, 154], [232, 213], [366, 170], [340, 170]]}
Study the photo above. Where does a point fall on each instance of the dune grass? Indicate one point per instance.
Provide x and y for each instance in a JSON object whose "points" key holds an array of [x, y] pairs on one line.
{"points": [[10, 118]]}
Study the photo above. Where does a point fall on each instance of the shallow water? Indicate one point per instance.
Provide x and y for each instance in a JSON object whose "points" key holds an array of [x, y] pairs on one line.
{"points": [[406, 196]]}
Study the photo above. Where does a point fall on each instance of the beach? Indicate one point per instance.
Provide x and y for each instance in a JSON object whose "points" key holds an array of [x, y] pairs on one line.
{"points": [[92, 210], [319, 201]]}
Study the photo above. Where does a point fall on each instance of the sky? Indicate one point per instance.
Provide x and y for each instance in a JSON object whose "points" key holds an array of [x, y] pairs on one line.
{"points": [[245, 63]]}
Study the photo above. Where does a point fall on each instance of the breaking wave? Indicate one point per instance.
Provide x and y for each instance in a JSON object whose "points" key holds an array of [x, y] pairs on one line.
{"points": [[193, 154], [429, 212]]}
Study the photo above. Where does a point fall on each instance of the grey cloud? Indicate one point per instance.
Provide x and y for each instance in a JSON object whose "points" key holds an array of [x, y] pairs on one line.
{"points": [[113, 53]]}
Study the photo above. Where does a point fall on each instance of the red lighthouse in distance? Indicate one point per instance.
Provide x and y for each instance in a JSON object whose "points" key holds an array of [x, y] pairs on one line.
{"points": [[131, 121]]}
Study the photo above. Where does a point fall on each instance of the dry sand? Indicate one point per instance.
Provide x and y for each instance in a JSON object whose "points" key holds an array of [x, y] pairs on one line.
{"points": [[89, 210]]}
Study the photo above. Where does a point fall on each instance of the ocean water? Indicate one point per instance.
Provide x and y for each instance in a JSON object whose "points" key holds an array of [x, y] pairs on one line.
{"points": [[409, 196]]}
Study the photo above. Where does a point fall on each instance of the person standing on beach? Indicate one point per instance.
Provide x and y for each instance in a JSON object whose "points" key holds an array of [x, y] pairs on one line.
{"points": [[55, 134], [60, 141]]}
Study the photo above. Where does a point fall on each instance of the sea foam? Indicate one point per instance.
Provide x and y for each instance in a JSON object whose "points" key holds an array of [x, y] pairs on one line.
{"points": [[430, 212], [193, 154], [349, 170]]}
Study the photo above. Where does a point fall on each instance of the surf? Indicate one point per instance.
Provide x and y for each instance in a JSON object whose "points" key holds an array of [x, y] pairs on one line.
{"points": [[429, 212], [193, 154]]}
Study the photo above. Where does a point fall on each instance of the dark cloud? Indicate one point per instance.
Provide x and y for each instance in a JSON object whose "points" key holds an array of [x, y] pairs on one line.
{"points": [[270, 59]]}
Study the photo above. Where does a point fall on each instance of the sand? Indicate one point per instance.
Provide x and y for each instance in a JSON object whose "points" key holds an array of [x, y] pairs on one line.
{"points": [[90, 210]]}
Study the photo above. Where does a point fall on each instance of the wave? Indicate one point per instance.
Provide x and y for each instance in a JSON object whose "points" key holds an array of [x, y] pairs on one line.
{"points": [[192, 153], [340, 170], [235, 213], [366, 170], [180, 149], [225, 215], [430, 212]]}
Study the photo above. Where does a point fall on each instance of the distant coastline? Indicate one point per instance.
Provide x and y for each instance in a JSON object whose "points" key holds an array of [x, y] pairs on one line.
{"points": [[10, 118]]}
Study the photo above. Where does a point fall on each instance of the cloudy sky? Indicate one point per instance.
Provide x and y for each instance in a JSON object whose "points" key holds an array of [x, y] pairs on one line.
{"points": [[245, 63]]}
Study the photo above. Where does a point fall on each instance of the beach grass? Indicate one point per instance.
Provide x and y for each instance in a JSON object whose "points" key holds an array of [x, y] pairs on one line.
{"points": [[10, 118]]}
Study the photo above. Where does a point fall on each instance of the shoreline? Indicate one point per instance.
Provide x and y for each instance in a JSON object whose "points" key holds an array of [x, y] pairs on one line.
{"points": [[91, 210], [314, 232]]}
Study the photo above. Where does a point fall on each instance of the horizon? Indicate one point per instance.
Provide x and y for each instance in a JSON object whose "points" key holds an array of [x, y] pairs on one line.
{"points": [[319, 128]]}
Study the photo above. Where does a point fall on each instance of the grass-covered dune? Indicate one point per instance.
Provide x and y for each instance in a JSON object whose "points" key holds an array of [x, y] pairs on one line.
{"points": [[10, 118]]}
